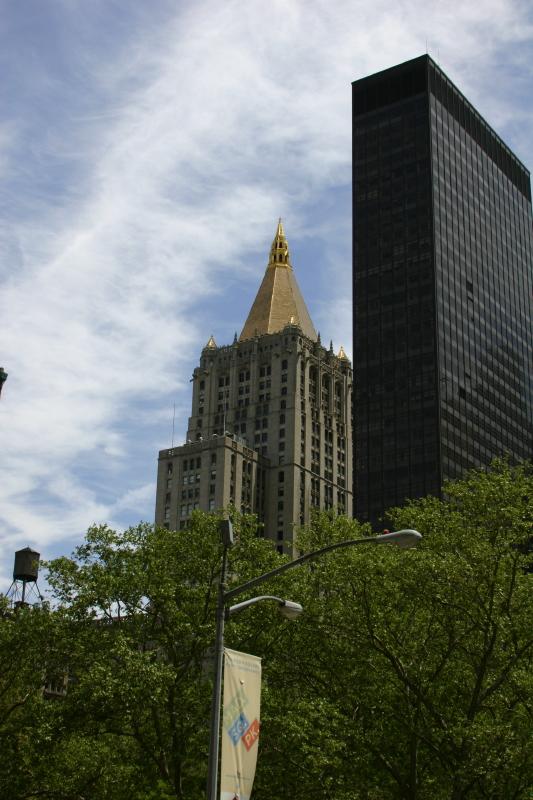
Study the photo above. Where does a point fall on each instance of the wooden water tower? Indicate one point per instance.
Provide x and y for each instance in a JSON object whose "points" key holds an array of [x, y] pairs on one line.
{"points": [[25, 573]]}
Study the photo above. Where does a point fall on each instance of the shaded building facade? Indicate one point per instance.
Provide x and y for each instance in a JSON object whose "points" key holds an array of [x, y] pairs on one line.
{"points": [[270, 429], [442, 282]]}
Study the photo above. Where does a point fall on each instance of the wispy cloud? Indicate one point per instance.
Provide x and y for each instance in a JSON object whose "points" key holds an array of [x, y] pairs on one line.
{"points": [[146, 179]]}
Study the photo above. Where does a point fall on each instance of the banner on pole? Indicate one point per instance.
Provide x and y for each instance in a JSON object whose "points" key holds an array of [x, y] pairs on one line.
{"points": [[240, 724]]}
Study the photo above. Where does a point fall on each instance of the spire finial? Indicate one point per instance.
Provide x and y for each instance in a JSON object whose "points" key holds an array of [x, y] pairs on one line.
{"points": [[211, 344], [279, 252]]}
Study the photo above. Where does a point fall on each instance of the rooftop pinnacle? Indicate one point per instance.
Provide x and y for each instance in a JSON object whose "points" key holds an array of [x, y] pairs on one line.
{"points": [[279, 301], [279, 252]]}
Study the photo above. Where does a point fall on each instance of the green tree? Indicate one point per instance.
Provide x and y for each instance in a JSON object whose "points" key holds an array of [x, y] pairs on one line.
{"points": [[26, 648], [410, 675], [137, 611]]}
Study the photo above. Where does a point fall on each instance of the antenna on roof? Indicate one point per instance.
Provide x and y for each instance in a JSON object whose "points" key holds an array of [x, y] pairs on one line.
{"points": [[173, 422]]}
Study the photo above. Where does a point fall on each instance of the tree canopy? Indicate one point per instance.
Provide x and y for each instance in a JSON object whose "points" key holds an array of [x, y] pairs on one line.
{"points": [[418, 664], [408, 676]]}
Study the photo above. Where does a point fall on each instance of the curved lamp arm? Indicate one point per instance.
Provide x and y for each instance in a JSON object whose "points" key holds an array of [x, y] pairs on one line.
{"points": [[404, 539]]}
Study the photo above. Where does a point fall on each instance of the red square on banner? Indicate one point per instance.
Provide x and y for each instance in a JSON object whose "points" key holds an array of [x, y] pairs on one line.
{"points": [[250, 736]]}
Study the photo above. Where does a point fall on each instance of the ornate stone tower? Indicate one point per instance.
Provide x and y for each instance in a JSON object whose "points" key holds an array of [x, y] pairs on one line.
{"points": [[270, 430]]}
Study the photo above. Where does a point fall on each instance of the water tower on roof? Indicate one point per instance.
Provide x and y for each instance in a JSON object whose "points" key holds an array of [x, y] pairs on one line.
{"points": [[24, 588]]}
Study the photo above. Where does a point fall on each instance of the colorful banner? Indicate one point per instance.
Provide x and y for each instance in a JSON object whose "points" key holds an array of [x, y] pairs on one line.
{"points": [[240, 724]]}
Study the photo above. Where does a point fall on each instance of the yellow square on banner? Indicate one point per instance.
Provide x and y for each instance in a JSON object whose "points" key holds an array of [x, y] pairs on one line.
{"points": [[240, 724]]}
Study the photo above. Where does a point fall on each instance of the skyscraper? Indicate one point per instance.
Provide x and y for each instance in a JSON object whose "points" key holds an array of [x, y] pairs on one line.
{"points": [[270, 429], [443, 254]]}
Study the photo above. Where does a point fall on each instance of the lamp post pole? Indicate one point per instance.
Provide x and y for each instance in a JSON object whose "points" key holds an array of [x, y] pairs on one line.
{"points": [[214, 732], [404, 539]]}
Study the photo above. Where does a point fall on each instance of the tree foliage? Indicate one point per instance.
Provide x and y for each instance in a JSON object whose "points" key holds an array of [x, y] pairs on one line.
{"points": [[408, 676], [418, 664]]}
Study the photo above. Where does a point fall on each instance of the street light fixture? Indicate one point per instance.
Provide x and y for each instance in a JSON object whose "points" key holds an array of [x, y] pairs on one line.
{"points": [[3, 378], [287, 608], [405, 539]]}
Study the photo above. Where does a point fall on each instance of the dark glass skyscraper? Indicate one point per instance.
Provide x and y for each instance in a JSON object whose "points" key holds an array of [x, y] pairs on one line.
{"points": [[443, 255]]}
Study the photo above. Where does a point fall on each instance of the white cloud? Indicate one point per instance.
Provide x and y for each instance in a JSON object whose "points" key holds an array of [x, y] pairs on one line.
{"points": [[165, 180]]}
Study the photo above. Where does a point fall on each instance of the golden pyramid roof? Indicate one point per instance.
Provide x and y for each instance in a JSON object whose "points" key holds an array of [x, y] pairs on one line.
{"points": [[279, 301], [211, 344], [342, 355]]}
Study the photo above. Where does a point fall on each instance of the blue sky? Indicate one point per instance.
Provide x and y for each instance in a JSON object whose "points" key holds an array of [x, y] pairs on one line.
{"points": [[146, 152]]}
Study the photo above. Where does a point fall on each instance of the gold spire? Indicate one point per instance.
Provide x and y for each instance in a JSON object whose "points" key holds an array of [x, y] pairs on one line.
{"points": [[279, 252], [279, 301], [342, 355], [211, 344]]}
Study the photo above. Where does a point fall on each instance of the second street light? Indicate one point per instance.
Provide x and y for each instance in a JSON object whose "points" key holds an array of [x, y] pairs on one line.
{"points": [[404, 539]]}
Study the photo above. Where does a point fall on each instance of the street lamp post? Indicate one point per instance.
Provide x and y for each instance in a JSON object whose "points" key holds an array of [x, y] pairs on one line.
{"points": [[404, 539]]}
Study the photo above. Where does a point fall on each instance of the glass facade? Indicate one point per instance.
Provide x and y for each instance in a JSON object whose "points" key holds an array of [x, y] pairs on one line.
{"points": [[442, 289]]}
